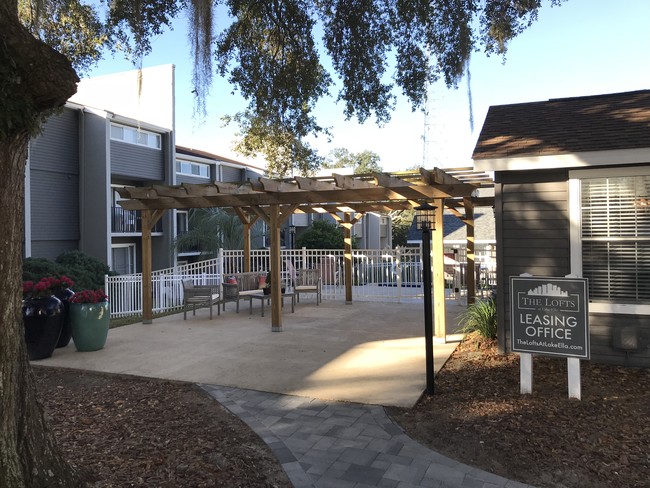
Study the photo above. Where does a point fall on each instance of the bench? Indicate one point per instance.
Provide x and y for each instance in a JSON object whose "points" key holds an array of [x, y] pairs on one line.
{"points": [[197, 296], [308, 281], [237, 286]]}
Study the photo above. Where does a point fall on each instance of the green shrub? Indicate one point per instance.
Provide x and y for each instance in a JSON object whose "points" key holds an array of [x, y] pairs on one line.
{"points": [[86, 271], [36, 268], [481, 317]]}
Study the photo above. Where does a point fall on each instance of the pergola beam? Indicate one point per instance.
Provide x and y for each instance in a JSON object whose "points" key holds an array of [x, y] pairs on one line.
{"points": [[275, 200]]}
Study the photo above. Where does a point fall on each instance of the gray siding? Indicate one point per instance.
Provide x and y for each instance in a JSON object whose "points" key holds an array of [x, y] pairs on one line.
{"points": [[533, 237], [137, 162], [532, 228], [181, 178], [234, 175], [54, 186], [604, 327]]}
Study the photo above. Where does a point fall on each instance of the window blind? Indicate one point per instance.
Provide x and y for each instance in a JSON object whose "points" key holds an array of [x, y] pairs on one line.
{"points": [[616, 238]]}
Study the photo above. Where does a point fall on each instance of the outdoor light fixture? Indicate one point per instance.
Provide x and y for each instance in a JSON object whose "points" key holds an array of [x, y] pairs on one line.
{"points": [[425, 217], [425, 220], [292, 233]]}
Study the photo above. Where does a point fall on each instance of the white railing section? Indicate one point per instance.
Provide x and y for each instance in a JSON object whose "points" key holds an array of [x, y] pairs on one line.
{"points": [[377, 275]]}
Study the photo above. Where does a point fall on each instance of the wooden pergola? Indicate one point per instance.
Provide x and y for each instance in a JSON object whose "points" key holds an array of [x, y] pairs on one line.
{"points": [[346, 198]]}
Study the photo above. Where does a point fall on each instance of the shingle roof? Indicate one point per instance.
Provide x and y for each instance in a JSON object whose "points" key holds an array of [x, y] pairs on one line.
{"points": [[456, 230], [566, 125]]}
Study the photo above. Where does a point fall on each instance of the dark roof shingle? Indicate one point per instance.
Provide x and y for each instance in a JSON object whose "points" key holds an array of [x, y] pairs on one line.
{"points": [[566, 125]]}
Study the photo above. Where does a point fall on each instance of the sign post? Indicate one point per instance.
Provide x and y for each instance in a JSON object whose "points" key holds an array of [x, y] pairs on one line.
{"points": [[549, 316]]}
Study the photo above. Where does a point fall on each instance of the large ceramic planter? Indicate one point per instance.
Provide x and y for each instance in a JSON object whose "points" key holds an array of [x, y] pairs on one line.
{"points": [[89, 323], [66, 330], [43, 320]]}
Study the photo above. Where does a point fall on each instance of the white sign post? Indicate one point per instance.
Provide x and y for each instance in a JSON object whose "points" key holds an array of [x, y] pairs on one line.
{"points": [[549, 316]]}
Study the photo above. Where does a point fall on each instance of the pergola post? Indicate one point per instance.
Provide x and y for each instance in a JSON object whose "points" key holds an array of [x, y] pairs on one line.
{"points": [[247, 222], [148, 220], [276, 292], [438, 261], [470, 277], [347, 253], [347, 222], [147, 285]]}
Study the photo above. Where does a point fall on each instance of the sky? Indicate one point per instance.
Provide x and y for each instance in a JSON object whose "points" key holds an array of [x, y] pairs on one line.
{"points": [[584, 47]]}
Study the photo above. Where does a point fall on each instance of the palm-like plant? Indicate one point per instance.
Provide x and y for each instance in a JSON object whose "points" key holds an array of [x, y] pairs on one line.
{"points": [[481, 317], [211, 229]]}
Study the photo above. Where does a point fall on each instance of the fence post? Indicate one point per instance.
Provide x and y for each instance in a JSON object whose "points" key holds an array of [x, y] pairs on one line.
{"points": [[398, 270], [220, 265]]}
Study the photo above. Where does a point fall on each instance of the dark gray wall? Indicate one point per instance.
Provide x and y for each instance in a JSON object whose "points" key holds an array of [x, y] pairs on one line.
{"points": [[95, 181], [532, 229], [137, 162], [54, 186], [233, 175], [190, 179]]}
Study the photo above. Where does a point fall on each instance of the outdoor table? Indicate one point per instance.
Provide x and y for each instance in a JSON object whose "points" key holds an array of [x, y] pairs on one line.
{"points": [[262, 298]]}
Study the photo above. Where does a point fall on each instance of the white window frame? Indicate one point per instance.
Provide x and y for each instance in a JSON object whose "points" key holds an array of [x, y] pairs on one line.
{"points": [[136, 136], [186, 218], [575, 218], [185, 167], [132, 254]]}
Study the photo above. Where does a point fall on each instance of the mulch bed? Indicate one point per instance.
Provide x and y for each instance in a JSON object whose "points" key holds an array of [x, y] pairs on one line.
{"points": [[121, 431], [546, 439]]}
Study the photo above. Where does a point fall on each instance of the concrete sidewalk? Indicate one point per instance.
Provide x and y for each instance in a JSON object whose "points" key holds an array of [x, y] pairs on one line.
{"points": [[370, 353]]}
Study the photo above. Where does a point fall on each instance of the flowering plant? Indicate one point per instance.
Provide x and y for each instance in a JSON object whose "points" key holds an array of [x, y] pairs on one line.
{"points": [[46, 286], [89, 296]]}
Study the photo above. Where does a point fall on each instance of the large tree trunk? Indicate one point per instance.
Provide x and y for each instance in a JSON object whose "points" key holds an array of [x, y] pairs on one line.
{"points": [[33, 81]]}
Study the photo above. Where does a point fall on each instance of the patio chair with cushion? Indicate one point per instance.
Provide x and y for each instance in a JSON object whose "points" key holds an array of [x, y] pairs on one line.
{"points": [[308, 281], [197, 296]]}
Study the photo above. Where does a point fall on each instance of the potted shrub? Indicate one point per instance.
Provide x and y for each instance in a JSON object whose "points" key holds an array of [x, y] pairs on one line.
{"points": [[267, 285], [89, 319], [43, 316]]}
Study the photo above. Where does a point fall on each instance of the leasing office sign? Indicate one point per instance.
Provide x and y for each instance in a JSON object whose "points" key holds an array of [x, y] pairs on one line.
{"points": [[549, 316]]}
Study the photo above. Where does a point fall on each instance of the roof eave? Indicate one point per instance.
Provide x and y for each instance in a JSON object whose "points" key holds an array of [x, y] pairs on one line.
{"points": [[586, 159]]}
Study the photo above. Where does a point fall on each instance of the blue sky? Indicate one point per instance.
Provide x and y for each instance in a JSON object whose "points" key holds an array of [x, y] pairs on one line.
{"points": [[584, 47]]}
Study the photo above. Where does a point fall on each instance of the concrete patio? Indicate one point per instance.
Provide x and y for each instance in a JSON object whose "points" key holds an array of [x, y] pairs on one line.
{"points": [[366, 352]]}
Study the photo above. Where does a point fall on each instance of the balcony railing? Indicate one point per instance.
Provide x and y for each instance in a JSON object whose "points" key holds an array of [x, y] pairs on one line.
{"points": [[129, 222]]}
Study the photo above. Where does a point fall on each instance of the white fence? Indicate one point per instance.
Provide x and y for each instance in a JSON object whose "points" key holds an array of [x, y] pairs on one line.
{"points": [[377, 275]]}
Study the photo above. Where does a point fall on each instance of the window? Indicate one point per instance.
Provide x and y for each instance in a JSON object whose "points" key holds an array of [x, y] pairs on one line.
{"points": [[193, 169], [136, 136], [182, 222], [614, 238], [123, 258]]}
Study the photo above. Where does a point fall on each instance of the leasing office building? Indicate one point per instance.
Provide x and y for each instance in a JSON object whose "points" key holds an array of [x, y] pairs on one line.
{"points": [[572, 183]]}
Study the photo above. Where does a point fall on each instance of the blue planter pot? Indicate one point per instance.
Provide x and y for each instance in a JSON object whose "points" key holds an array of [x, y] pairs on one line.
{"points": [[89, 323], [66, 330], [43, 320]]}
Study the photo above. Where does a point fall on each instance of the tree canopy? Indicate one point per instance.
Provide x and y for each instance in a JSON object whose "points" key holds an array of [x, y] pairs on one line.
{"points": [[363, 162], [321, 235], [275, 53]]}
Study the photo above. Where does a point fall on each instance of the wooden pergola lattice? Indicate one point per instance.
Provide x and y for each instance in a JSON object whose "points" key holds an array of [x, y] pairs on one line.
{"points": [[346, 198]]}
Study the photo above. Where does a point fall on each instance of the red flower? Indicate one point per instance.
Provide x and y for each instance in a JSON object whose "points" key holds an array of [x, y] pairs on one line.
{"points": [[89, 296], [46, 287]]}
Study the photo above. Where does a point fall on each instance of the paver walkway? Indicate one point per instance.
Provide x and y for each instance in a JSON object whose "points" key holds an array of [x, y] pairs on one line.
{"points": [[327, 444]]}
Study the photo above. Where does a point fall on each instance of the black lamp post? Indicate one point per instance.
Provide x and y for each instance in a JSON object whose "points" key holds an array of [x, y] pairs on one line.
{"points": [[292, 233], [425, 220]]}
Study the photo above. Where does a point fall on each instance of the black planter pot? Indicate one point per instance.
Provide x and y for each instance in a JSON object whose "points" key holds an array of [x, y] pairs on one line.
{"points": [[66, 330], [43, 321]]}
